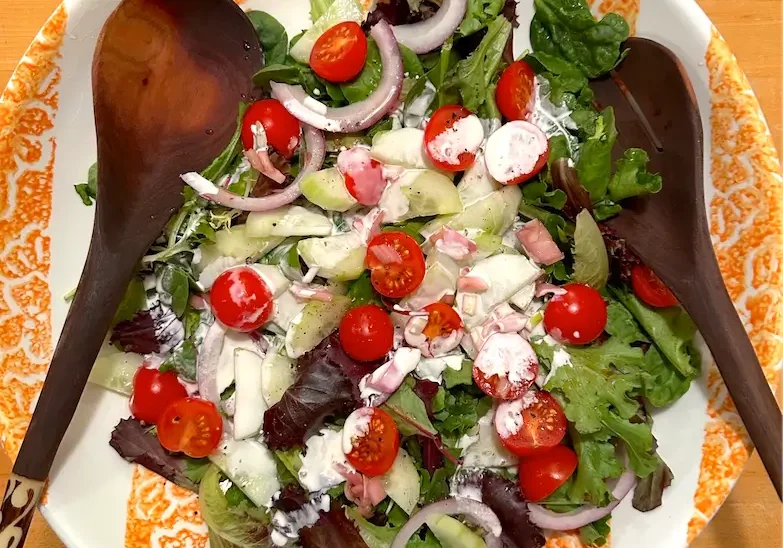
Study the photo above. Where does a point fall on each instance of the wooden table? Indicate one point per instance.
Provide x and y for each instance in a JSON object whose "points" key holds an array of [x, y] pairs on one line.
{"points": [[751, 517]]}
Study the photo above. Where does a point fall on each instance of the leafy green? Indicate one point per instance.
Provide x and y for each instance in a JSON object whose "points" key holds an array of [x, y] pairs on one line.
{"points": [[478, 15], [567, 29], [597, 462], [89, 191], [288, 464], [195, 469], [411, 228], [662, 383], [462, 409], [621, 325], [648, 494], [638, 440], [182, 361], [671, 329], [134, 299], [362, 292], [605, 209], [594, 165], [632, 178], [537, 193], [591, 261], [173, 288], [83, 190], [318, 8], [409, 412], [435, 487], [280, 72], [272, 35], [377, 536], [453, 377], [596, 533], [220, 165], [363, 85]]}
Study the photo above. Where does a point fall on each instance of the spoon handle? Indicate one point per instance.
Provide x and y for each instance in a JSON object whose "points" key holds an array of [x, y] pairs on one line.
{"points": [[101, 287], [714, 313]]}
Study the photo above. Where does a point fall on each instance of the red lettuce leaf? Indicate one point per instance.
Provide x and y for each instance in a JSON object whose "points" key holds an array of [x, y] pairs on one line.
{"points": [[137, 444], [427, 390], [137, 335], [332, 529], [327, 385], [621, 258], [505, 499], [431, 456]]}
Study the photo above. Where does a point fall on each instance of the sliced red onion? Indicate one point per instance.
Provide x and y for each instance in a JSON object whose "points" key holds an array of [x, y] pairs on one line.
{"points": [[314, 158], [260, 161], [429, 34], [477, 512], [547, 519], [357, 116], [208, 360]]}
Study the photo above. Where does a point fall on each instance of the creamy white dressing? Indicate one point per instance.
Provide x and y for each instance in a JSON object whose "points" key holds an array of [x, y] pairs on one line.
{"points": [[508, 416], [464, 136], [560, 359], [259, 137], [198, 183], [486, 450], [393, 202], [507, 355], [322, 452], [286, 525], [513, 150], [432, 369], [357, 426]]}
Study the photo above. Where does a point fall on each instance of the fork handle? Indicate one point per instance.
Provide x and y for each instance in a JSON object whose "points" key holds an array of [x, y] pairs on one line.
{"points": [[21, 497], [725, 335]]}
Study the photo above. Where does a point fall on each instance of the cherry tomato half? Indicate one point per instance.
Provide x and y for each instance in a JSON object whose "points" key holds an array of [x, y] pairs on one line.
{"points": [[281, 128], [191, 426], [153, 391], [374, 440], [452, 147], [240, 299], [505, 367], [515, 91], [541, 475], [531, 425], [442, 320], [396, 264], [367, 333], [577, 317], [339, 53], [649, 288]]}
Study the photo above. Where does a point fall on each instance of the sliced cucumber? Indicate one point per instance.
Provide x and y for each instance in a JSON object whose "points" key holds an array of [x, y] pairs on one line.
{"points": [[250, 404], [401, 482], [453, 533], [401, 147], [114, 370], [234, 242], [493, 214], [316, 322], [277, 374], [326, 189], [339, 12], [430, 193], [287, 221], [251, 466], [440, 279], [339, 257], [476, 183]]}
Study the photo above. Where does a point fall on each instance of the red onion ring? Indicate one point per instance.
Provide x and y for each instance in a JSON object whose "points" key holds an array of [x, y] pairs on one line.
{"points": [[425, 36], [357, 116], [207, 363], [477, 512], [547, 519], [315, 152]]}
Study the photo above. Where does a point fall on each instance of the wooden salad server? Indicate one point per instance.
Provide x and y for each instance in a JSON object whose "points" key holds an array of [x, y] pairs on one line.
{"points": [[657, 111], [168, 77]]}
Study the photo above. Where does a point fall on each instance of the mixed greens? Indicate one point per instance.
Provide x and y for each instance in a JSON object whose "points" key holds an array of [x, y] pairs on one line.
{"points": [[389, 314]]}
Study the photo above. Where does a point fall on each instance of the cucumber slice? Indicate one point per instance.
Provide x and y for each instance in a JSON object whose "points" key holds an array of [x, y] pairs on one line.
{"points": [[235, 242], [114, 370], [251, 466], [476, 183], [440, 279], [401, 147], [430, 193], [493, 214], [326, 189], [339, 257], [314, 324], [453, 533], [277, 374], [401, 482], [287, 221], [339, 12]]}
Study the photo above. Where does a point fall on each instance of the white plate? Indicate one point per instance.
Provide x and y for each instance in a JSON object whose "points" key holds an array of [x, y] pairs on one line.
{"points": [[47, 143]]}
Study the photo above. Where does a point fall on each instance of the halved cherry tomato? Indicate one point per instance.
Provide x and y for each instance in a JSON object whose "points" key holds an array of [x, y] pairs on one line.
{"points": [[396, 264], [649, 288], [577, 317], [281, 128], [542, 475], [367, 333], [153, 391], [339, 53], [537, 423], [374, 440], [191, 426], [241, 300], [442, 320], [514, 94], [505, 367], [451, 149]]}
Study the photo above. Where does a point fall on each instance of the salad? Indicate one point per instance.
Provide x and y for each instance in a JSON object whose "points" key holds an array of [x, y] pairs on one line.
{"points": [[389, 314]]}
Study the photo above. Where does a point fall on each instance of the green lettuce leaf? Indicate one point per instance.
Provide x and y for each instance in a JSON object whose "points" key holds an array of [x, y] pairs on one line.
{"points": [[272, 35], [591, 261], [363, 85], [638, 440], [621, 325], [478, 15], [409, 412], [537, 193], [632, 178], [662, 383], [318, 8], [594, 165], [597, 462], [452, 377], [362, 292], [596, 533]]}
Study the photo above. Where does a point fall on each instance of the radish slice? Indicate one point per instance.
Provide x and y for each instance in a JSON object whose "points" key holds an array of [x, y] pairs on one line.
{"points": [[357, 116], [477, 512], [314, 158], [516, 152], [429, 34], [586, 514]]}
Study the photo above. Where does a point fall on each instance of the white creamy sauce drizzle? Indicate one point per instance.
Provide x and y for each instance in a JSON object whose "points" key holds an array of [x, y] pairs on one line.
{"points": [[286, 525], [465, 135], [322, 452], [508, 417]]}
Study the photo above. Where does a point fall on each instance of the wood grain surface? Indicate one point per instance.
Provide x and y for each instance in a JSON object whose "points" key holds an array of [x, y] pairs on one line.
{"points": [[751, 517]]}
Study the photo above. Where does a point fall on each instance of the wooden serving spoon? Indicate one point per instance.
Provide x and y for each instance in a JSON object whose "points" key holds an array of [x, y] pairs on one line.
{"points": [[168, 77], [657, 111]]}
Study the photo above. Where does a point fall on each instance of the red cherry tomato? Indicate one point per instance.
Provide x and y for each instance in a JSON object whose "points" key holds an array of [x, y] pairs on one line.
{"points": [[281, 128], [515, 91], [153, 391], [240, 299], [340, 52], [396, 264], [505, 367], [577, 317], [191, 426], [367, 333], [441, 321], [542, 475], [531, 425], [649, 288], [375, 440], [443, 121]]}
